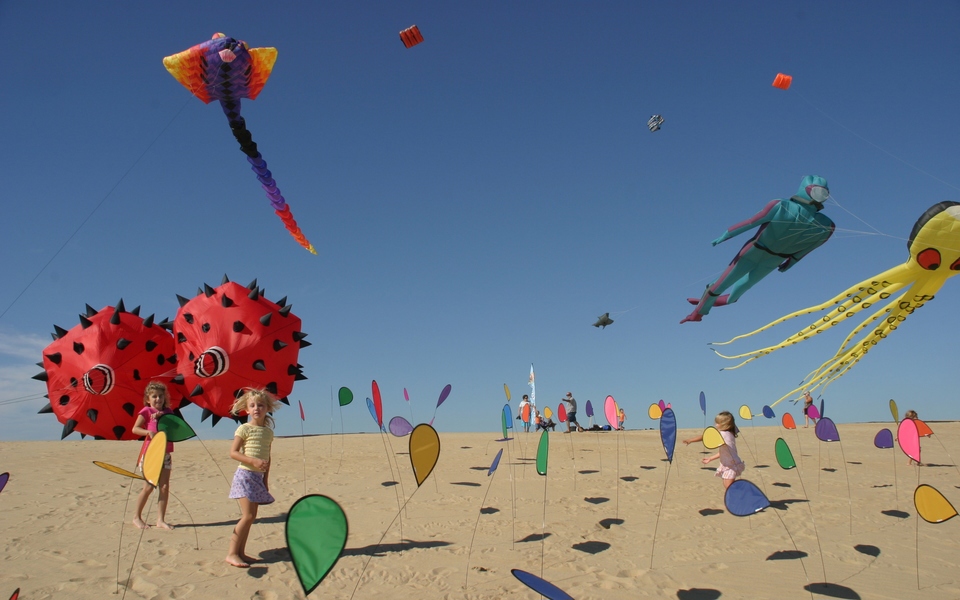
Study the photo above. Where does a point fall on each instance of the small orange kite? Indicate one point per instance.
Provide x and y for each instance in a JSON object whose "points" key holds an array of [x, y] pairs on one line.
{"points": [[782, 81], [411, 36]]}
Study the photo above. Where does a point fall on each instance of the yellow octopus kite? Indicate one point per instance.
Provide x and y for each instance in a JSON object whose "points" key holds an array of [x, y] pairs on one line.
{"points": [[934, 246]]}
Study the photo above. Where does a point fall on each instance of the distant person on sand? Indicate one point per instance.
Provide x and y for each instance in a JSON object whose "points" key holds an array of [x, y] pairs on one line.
{"points": [[524, 404], [621, 417], [731, 466], [572, 412], [157, 404], [544, 423], [807, 403], [912, 414]]}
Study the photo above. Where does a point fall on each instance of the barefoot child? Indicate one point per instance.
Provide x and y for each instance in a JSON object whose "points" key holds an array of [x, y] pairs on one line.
{"points": [[731, 466], [251, 447], [157, 403]]}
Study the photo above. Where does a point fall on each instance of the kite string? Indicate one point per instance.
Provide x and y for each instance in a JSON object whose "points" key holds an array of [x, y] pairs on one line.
{"points": [[789, 535], [122, 522], [618, 478], [342, 441], [189, 516], [395, 490], [880, 148], [849, 496], [136, 550], [656, 525], [916, 540], [513, 496], [543, 521], [955, 466], [95, 209], [475, 527], [896, 486], [303, 453], [396, 463], [813, 522], [380, 541]]}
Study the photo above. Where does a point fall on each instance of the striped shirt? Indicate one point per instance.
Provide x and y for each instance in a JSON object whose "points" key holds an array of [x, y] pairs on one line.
{"points": [[256, 443]]}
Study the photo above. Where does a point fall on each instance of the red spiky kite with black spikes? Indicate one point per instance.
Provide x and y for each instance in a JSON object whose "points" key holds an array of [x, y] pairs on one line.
{"points": [[232, 338], [97, 371]]}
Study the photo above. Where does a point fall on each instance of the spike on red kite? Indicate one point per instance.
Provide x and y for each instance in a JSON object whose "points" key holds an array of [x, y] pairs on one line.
{"points": [[411, 36]]}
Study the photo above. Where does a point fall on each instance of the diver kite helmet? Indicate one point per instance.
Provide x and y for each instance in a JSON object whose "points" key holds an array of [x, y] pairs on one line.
{"points": [[814, 190]]}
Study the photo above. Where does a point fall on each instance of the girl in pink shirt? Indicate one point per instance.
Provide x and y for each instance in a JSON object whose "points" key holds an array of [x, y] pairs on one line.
{"points": [[157, 403], [731, 466]]}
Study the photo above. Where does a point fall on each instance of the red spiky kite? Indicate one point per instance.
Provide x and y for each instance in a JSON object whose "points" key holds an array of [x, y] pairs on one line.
{"points": [[231, 338], [96, 372]]}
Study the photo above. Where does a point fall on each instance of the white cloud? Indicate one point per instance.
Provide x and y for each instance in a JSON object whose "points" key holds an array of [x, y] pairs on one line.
{"points": [[27, 346], [21, 396]]}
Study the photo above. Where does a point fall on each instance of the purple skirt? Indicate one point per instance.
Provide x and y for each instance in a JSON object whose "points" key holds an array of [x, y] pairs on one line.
{"points": [[249, 484]]}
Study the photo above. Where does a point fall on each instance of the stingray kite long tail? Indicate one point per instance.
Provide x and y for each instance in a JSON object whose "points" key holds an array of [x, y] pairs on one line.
{"points": [[239, 128]]}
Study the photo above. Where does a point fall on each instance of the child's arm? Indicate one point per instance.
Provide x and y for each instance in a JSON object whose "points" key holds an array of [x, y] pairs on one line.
{"points": [[235, 454], [266, 477], [711, 458], [138, 428], [687, 442]]}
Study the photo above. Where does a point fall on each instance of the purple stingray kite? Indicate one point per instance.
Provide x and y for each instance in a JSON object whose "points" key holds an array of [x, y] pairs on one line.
{"points": [[226, 69]]}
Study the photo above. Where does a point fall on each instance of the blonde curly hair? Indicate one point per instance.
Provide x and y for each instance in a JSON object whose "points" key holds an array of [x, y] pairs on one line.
{"points": [[268, 399]]}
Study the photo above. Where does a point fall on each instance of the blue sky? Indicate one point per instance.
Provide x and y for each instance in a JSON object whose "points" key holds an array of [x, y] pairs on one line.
{"points": [[477, 200]]}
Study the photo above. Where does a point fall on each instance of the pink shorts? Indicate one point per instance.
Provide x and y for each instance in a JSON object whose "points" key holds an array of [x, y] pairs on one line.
{"points": [[725, 472]]}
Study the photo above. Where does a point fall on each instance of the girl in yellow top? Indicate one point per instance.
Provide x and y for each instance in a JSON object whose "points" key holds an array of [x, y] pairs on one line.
{"points": [[251, 447]]}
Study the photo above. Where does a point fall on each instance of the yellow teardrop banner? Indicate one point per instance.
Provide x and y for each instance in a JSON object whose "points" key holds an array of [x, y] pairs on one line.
{"points": [[712, 438], [153, 459]]}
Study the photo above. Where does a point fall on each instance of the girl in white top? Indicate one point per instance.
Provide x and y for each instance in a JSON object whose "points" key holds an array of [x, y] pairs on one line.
{"points": [[731, 466], [251, 448]]}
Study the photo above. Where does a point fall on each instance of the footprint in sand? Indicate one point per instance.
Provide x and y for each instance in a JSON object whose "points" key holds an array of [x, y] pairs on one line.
{"points": [[183, 591]]}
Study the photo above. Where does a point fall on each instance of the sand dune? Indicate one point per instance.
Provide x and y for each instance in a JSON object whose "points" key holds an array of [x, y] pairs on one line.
{"points": [[588, 527]]}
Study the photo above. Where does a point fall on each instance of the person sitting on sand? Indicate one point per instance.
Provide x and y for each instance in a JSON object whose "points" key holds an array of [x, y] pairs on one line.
{"points": [[545, 423]]}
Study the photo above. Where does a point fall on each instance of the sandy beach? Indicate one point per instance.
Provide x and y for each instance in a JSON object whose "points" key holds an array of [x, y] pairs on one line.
{"points": [[846, 517]]}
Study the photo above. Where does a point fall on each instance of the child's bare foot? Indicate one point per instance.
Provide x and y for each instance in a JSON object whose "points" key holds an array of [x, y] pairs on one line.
{"points": [[164, 525], [236, 561], [140, 524], [248, 559]]}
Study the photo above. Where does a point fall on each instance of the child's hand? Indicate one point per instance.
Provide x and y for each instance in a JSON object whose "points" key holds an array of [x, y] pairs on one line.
{"points": [[686, 442], [706, 460], [261, 464]]}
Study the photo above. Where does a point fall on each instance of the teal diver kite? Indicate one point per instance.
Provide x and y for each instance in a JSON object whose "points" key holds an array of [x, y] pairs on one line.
{"points": [[789, 230]]}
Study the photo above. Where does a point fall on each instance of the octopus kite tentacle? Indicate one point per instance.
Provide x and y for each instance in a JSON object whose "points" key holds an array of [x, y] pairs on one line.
{"points": [[934, 246], [861, 295], [841, 363]]}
